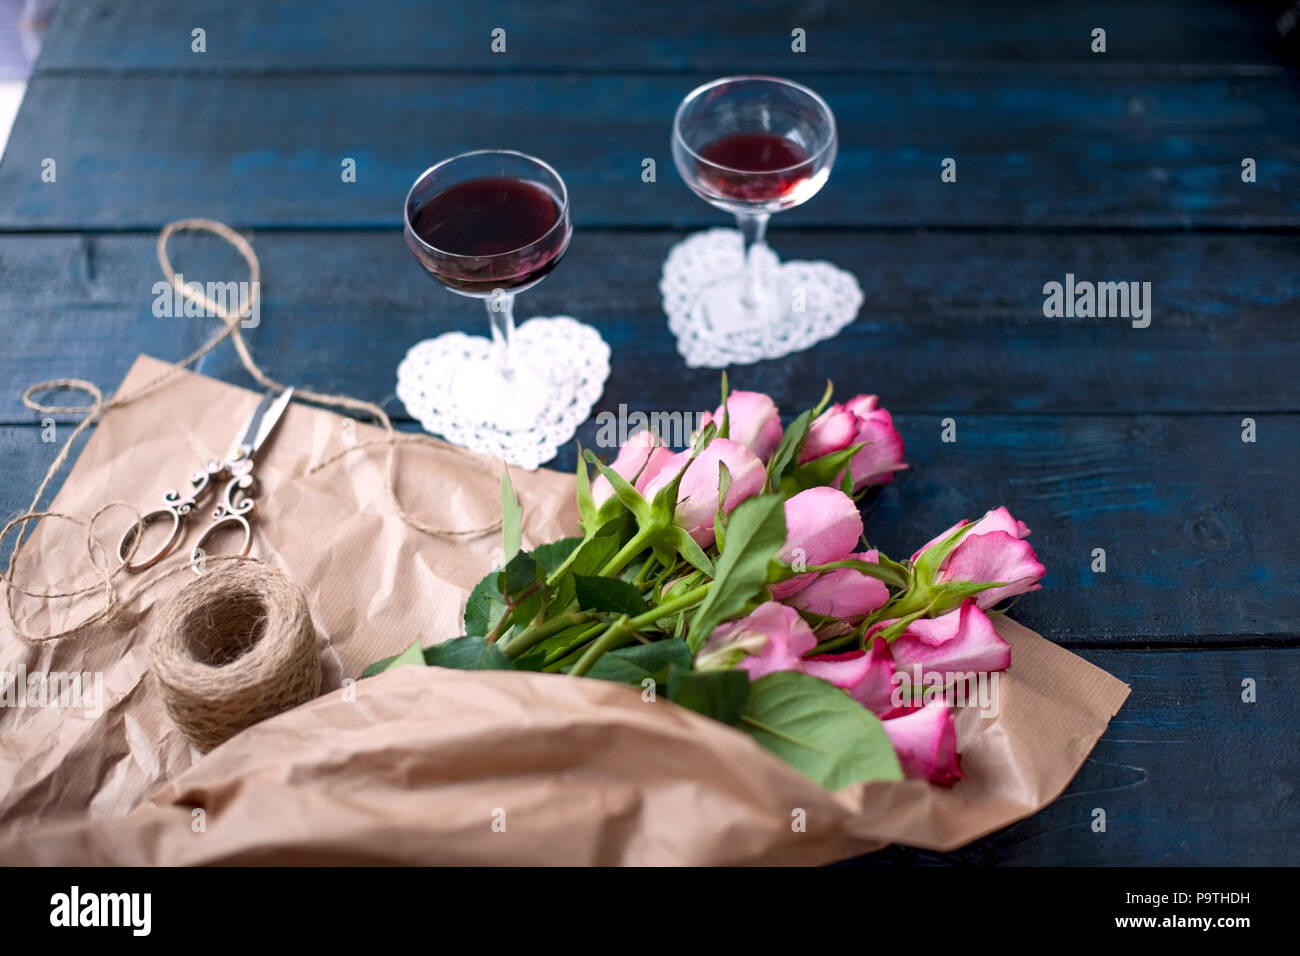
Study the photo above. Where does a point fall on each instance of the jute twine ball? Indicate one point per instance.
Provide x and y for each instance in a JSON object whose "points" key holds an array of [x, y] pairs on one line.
{"points": [[232, 648]]}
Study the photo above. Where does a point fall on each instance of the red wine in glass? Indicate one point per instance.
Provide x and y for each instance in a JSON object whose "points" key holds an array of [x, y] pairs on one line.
{"points": [[494, 232], [758, 166]]}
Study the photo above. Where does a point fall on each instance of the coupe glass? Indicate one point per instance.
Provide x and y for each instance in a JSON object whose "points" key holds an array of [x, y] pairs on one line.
{"points": [[490, 224], [753, 145]]}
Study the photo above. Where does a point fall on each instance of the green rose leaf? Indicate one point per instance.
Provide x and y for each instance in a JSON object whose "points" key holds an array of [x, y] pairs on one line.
{"points": [[792, 442], [685, 546], [608, 594], [724, 429], [717, 694], [720, 513], [819, 730], [551, 557], [796, 433], [927, 563], [467, 654], [632, 665], [520, 574], [512, 517], [413, 656], [623, 490], [588, 559], [484, 607], [586, 506], [553, 648], [755, 532], [821, 471]]}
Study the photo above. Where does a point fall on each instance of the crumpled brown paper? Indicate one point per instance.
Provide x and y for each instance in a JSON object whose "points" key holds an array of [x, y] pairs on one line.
{"points": [[429, 765]]}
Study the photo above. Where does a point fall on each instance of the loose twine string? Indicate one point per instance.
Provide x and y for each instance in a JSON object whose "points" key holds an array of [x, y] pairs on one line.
{"points": [[98, 406]]}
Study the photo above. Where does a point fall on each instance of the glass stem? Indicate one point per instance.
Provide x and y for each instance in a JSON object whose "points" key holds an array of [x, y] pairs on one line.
{"points": [[501, 317], [753, 229]]}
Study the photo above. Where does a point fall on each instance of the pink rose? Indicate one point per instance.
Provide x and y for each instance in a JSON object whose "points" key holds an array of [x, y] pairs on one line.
{"points": [[925, 740], [770, 638], [993, 549], [999, 519], [753, 421], [961, 641], [697, 495], [866, 676], [844, 593], [639, 460], [858, 420], [821, 525]]}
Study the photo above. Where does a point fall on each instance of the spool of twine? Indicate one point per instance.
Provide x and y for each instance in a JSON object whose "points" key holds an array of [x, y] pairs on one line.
{"points": [[234, 647]]}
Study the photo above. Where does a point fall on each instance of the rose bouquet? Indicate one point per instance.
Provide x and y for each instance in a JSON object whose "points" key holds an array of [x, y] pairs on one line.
{"points": [[733, 578]]}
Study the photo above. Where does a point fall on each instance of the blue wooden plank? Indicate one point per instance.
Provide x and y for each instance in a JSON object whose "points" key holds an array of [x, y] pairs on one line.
{"points": [[1188, 774], [1196, 526], [155, 35], [342, 308], [267, 151], [79, 307]]}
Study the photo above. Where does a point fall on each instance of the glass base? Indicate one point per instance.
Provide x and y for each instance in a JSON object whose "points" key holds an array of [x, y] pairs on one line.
{"points": [[729, 305], [483, 393], [797, 304], [456, 386]]}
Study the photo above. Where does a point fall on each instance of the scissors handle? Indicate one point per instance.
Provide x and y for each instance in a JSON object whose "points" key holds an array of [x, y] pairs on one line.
{"points": [[221, 524], [128, 540], [176, 508], [235, 505]]}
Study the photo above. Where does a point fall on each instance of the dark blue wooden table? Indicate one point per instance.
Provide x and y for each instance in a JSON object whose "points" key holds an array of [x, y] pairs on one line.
{"points": [[1115, 166]]}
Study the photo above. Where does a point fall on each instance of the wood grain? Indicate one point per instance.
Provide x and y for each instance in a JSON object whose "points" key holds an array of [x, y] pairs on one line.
{"points": [[1187, 773], [414, 35], [951, 324], [1031, 151]]}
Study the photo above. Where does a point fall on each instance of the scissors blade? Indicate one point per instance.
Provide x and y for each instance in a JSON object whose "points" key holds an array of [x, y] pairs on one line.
{"points": [[263, 420]]}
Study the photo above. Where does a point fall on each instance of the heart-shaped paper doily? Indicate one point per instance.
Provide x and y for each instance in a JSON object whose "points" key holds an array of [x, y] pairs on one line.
{"points": [[454, 387], [702, 284]]}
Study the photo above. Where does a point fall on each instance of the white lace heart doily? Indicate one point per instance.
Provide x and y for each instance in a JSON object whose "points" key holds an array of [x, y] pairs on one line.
{"points": [[701, 296], [451, 385]]}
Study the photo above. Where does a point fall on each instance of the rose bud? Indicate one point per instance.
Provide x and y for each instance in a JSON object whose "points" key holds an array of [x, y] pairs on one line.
{"points": [[992, 549], [925, 740], [844, 593], [639, 460], [753, 421], [697, 495], [821, 525], [961, 641], [858, 420], [770, 638], [868, 676]]}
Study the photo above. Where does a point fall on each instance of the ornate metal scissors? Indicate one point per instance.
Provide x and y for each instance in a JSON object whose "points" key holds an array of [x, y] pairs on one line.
{"points": [[236, 502]]}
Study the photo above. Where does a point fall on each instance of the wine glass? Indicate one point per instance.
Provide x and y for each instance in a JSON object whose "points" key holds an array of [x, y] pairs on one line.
{"points": [[753, 145], [488, 224]]}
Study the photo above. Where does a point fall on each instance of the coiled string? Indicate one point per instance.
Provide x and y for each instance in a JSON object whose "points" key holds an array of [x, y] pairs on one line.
{"points": [[233, 648]]}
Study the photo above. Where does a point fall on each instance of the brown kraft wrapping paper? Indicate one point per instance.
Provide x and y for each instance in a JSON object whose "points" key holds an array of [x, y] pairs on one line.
{"points": [[425, 765]]}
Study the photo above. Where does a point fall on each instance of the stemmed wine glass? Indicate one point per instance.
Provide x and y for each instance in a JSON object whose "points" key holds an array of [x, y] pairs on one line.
{"points": [[490, 224], [753, 145]]}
